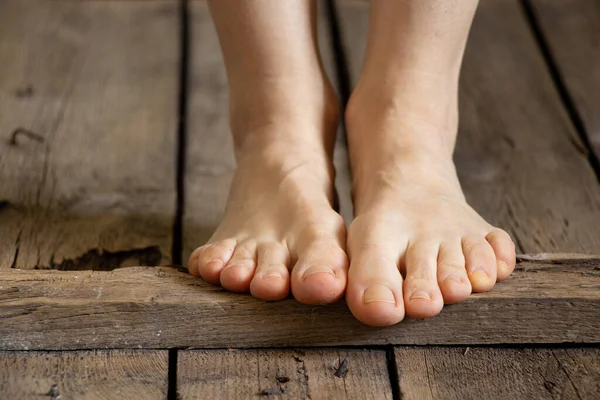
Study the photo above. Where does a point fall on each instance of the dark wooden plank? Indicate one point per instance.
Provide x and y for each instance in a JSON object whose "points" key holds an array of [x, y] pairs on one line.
{"points": [[570, 28], [518, 156], [110, 374], [210, 159], [544, 301], [288, 374], [498, 373], [98, 82]]}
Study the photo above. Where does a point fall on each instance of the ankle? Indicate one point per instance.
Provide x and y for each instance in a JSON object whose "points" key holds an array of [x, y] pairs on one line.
{"points": [[287, 110], [414, 119]]}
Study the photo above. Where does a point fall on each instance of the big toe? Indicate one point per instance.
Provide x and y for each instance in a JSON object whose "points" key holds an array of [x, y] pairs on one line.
{"points": [[374, 293]]}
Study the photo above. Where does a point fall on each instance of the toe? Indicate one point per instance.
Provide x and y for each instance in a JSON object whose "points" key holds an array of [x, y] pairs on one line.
{"points": [[374, 293], [209, 260], [504, 249], [320, 274], [481, 263], [238, 272], [451, 273], [422, 295], [271, 279]]}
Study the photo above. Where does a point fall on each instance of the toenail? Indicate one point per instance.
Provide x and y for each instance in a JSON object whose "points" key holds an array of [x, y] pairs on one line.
{"points": [[504, 265], [273, 274], [454, 279], [479, 276], [379, 293], [420, 294], [214, 265], [318, 269]]}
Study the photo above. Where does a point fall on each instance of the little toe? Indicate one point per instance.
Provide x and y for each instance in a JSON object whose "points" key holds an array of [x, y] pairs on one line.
{"points": [[480, 263], [320, 274], [209, 260], [271, 279], [504, 249], [422, 295], [238, 273], [451, 273]]}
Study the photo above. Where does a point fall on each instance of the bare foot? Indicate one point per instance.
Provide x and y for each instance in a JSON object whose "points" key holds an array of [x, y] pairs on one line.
{"points": [[279, 230], [415, 243]]}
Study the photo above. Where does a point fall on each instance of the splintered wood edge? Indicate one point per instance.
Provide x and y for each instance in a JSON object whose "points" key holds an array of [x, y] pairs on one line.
{"points": [[163, 307]]}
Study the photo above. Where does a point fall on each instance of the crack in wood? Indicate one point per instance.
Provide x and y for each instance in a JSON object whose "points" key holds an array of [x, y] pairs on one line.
{"points": [[103, 260], [303, 375]]}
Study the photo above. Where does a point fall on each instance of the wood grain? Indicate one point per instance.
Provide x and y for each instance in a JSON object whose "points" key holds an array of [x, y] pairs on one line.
{"points": [[498, 373], [570, 28], [293, 374], [110, 374], [210, 160], [98, 82], [542, 302], [519, 159]]}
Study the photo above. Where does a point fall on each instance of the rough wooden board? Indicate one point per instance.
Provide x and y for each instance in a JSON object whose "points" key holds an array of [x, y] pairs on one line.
{"points": [[498, 373], [241, 374], [114, 374], [571, 28], [518, 156], [162, 307], [210, 160], [98, 81]]}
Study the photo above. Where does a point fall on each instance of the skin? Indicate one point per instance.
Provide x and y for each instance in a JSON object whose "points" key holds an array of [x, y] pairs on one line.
{"points": [[415, 243]]}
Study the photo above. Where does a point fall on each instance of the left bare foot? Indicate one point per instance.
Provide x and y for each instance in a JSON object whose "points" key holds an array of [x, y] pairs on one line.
{"points": [[411, 215]]}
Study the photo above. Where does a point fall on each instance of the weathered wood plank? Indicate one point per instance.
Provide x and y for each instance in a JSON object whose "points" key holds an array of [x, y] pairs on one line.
{"points": [[571, 28], [498, 373], [98, 82], [293, 374], [210, 160], [542, 302], [121, 374], [518, 156]]}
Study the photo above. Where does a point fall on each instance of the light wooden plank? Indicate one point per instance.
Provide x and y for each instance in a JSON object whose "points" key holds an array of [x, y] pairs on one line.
{"points": [[210, 159], [518, 157], [498, 373], [287, 374], [570, 28], [110, 374], [98, 82], [542, 302]]}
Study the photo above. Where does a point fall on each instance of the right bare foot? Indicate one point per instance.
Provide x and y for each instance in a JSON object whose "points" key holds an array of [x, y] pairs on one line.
{"points": [[279, 217]]}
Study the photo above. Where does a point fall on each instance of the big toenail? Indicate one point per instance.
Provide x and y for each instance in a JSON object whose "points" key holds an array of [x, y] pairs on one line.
{"points": [[318, 269], [479, 276], [379, 293], [420, 294]]}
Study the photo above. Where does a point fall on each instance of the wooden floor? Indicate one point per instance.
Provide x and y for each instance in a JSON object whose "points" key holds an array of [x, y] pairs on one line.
{"points": [[115, 158]]}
